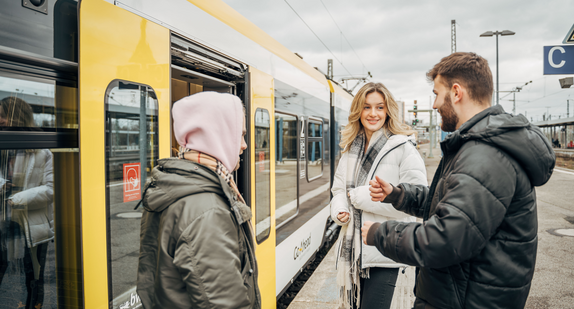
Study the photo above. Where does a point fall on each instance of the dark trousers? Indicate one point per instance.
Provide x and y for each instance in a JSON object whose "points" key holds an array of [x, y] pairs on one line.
{"points": [[377, 291], [34, 288]]}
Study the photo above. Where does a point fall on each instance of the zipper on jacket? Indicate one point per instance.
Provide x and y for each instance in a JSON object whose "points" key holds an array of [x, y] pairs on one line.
{"points": [[432, 189], [386, 153], [372, 176], [152, 183], [455, 288]]}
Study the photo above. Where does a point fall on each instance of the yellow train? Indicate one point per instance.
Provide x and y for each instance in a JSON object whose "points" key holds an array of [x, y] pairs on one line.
{"points": [[100, 77]]}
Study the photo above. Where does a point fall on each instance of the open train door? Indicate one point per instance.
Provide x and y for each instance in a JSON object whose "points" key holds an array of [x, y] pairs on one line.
{"points": [[124, 75]]}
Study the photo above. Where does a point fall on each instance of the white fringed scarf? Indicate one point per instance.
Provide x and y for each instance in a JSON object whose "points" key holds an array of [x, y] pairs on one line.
{"points": [[349, 269]]}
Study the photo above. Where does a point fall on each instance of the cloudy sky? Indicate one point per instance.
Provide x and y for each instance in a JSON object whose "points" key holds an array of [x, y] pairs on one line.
{"points": [[399, 41]]}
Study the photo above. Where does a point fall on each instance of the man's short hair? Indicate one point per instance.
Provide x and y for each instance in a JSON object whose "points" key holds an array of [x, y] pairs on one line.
{"points": [[469, 70]]}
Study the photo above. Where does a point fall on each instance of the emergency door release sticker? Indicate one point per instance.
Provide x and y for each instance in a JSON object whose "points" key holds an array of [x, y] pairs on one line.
{"points": [[261, 161], [132, 182]]}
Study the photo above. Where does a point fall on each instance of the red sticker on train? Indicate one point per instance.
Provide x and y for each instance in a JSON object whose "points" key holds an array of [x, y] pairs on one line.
{"points": [[261, 161], [132, 182]]}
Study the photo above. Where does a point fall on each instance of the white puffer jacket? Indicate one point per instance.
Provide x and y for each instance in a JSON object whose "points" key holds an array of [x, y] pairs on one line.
{"points": [[33, 206], [398, 162]]}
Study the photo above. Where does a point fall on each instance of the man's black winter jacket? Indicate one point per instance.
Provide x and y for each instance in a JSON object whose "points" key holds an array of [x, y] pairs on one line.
{"points": [[477, 245]]}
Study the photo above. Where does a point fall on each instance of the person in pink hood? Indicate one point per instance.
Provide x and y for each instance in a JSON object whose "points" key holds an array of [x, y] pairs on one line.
{"points": [[197, 246]]}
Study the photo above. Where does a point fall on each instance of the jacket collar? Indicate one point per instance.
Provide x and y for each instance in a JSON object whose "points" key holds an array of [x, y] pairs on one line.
{"points": [[455, 140], [241, 211], [173, 179]]}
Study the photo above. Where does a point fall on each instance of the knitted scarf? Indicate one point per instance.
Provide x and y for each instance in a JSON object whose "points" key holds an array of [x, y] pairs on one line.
{"points": [[12, 238], [349, 269], [212, 163]]}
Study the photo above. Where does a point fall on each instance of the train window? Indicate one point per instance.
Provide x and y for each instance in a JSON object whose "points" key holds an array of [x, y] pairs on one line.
{"points": [[286, 167], [262, 175], [40, 263], [131, 154], [314, 149], [40, 96]]}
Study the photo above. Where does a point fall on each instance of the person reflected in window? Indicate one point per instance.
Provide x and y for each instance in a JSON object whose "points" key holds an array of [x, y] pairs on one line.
{"points": [[375, 143], [26, 209]]}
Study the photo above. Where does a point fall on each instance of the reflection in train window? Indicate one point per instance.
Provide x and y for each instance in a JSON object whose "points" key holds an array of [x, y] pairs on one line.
{"points": [[40, 262], [131, 154], [314, 149], [262, 175], [27, 228], [285, 167], [40, 95]]}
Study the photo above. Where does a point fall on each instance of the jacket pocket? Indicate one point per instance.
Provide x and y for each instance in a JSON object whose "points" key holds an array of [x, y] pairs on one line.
{"points": [[459, 283], [248, 282]]}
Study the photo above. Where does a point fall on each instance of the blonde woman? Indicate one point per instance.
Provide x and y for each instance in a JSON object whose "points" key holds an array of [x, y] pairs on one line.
{"points": [[375, 143]]}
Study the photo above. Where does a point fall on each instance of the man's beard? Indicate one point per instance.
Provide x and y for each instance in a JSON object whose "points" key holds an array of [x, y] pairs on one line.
{"points": [[449, 116]]}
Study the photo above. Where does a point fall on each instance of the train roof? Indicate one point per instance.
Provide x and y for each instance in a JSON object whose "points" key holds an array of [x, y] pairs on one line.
{"points": [[555, 122], [337, 89], [232, 18]]}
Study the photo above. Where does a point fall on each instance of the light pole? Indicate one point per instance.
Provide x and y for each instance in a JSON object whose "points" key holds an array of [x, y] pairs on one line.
{"points": [[497, 33]]}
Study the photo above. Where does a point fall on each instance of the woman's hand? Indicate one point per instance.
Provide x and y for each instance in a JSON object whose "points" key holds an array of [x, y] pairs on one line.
{"points": [[365, 230], [343, 217]]}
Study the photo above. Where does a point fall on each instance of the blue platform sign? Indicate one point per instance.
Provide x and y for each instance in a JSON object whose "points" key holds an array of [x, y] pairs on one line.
{"points": [[559, 59]]}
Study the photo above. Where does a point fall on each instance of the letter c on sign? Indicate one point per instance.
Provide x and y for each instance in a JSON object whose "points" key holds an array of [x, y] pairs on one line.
{"points": [[551, 52]]}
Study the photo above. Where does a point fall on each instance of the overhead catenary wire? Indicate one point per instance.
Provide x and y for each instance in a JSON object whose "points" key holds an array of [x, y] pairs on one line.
{"points": [[318, 38], [345, 37], [532, 101]]}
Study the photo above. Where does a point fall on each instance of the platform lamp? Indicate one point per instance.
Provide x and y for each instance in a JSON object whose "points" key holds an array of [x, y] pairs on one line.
{"points": [[497, 33], [566, 82]]}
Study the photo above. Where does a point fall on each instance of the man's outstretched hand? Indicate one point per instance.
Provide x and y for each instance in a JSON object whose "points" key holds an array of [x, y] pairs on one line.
{"points": [[380, 189]]}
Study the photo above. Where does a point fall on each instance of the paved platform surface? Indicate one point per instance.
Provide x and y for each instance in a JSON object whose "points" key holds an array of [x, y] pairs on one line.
{"points": [[552, 286]]}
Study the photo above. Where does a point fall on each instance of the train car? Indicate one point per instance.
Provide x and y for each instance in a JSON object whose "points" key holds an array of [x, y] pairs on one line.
{"points": [[97, 79]]}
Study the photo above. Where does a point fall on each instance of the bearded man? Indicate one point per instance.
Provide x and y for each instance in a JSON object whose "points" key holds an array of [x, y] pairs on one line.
{"points": [[476, 247]]}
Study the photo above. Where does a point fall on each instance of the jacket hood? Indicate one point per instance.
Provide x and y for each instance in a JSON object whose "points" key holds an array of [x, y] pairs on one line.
{"points": [[400, 138], [211, 123], [173, 179], [393, 140], [514, 135]]}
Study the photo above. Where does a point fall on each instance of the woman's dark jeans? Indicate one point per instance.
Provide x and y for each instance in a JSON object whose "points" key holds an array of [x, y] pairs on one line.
{"points": [[377, 291]]}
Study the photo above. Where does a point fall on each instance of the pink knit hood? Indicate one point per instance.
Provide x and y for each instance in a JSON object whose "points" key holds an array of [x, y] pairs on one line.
{"points": [[212, 123]]}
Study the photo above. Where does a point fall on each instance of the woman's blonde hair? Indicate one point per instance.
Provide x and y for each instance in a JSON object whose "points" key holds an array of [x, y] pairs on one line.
{"points": [[392, 123]]}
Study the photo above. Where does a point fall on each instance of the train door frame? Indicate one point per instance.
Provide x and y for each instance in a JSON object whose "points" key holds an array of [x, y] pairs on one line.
{"points": [[138, 53], [62, 141], [240, 84], [332, 136], [262, 97]]}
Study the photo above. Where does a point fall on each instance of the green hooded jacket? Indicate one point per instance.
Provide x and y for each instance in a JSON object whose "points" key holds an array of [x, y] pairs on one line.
{"points": [[196, 246]]}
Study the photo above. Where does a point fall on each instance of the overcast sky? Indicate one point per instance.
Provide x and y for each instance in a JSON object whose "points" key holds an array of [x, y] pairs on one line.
{"points": [[399, 41]]}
